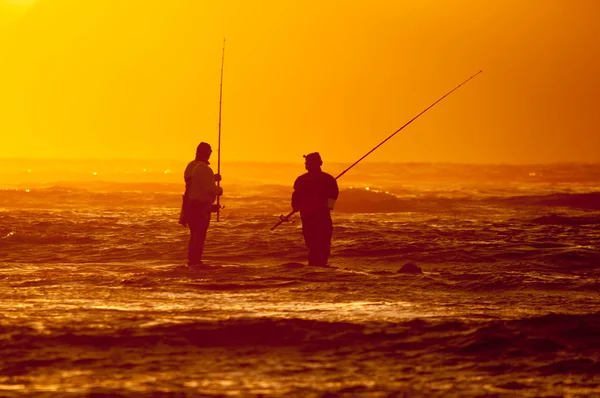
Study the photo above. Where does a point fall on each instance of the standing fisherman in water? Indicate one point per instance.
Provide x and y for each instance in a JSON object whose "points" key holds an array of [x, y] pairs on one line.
{"points": [[200, 194], [314, 195]]}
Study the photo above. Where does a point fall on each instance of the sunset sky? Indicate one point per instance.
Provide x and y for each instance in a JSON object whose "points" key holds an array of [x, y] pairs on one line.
{"points": [[140, 79]]}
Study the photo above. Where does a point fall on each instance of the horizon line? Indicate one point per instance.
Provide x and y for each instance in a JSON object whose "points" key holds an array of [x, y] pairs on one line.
{"points": [[51, 159]]}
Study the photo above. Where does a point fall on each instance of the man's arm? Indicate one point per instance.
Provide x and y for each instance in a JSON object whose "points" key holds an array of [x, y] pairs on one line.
{"points": [[296, 194], [217, 190], [187, 177], [205, 180], [334, 189]]}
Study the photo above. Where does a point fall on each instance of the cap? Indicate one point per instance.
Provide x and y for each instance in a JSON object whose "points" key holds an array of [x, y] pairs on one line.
{"points": [[314, 158]]}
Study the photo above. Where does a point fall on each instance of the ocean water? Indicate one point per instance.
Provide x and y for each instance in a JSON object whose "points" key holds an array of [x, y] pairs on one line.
{"points": [[95, 299]]}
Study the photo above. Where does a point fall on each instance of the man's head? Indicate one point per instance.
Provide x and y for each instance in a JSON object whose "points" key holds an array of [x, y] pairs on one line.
{"points": [[313, 161], [203, 151]]}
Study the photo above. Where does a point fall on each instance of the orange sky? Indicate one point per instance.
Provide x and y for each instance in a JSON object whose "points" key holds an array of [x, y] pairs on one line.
{"points": [[140, 79]]}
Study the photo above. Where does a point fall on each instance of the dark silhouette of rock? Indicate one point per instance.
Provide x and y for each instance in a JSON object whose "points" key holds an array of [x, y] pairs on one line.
{"points": [[410, 268]]}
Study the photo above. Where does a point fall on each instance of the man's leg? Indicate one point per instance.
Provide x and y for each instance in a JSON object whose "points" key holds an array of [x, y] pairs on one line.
{"points": [[202, 230], [317, 231], [311, 239], [325, 229], [193, 256], [199, 222]]}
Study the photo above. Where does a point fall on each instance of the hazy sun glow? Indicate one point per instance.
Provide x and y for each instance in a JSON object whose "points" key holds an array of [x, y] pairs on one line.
{"points": [[140, 79], [19, 2]]}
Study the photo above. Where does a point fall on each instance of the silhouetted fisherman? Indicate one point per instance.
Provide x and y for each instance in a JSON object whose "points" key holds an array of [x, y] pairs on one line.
{"points": [[314, 195], [200, 194]]}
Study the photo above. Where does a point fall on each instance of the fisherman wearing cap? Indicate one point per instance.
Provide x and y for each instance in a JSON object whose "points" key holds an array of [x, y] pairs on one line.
{"points": [[200, 194], [315, 193]]}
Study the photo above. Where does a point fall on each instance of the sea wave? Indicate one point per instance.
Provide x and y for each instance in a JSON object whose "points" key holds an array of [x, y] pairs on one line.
{"points": [[587, 200], [557, 219], [377, 201], [486, 340], [267, 197]]}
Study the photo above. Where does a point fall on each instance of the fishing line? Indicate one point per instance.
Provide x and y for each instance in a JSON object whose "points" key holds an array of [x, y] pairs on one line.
{"points": [[285, 218]]}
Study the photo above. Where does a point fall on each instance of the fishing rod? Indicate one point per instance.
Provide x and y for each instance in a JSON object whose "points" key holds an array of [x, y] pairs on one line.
{"points": [[285, 218], [219, 142]]}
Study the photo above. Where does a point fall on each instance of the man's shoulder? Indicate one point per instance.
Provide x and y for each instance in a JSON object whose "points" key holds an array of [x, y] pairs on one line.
{"points": [[327, 176], [300, 181], [191, 164], [204, 173], [190, 167], [198, 165], [205, 167], [197, 168], [303, 177]]}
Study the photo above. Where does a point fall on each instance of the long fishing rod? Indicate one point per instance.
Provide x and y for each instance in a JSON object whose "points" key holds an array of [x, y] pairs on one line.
{"points": [[285, 218], [219, 142]]}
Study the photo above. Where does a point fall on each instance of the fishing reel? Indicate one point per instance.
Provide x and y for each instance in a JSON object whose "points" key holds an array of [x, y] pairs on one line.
{"points": [[286, 219], [215, 208]]}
